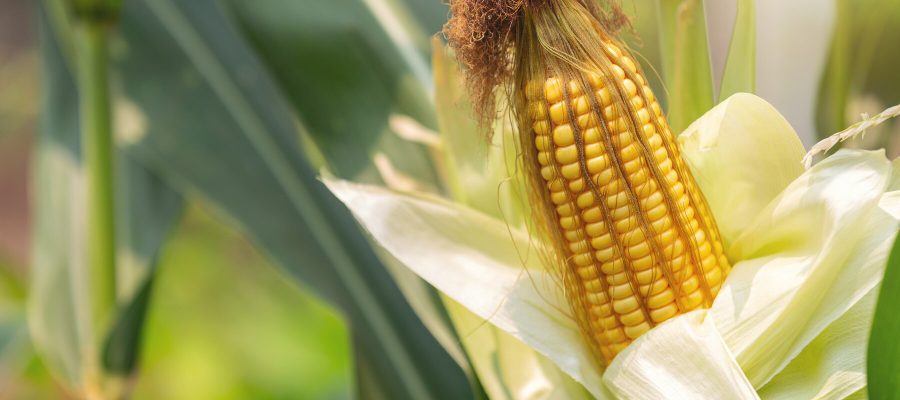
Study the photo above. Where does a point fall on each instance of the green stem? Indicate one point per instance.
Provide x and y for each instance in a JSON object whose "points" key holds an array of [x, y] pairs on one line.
{"points": [[96, 141]]}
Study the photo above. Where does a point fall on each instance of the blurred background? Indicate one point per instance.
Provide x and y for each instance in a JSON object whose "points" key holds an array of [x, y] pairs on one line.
{"points": [[239, 330], [244, 329]]}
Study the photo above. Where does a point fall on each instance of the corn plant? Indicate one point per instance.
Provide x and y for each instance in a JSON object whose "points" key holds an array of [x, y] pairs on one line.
{"points": [[534, 205]]}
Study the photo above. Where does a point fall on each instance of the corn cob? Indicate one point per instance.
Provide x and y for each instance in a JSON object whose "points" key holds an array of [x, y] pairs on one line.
{"points": [[631, 236], [639, 241]]}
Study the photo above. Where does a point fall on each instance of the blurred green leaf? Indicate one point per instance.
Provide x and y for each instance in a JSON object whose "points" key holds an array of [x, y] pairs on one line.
{"points": [[11, 285], [346, 66], [685, 60], [12, 327], [834, 90], [861, 61], [883, 360], [430, 15], [12, 321], [740, 66], [146, 210], [207, 117], [19, 377], [237, 331], [152, 208], [120, 350], [644, 43]]}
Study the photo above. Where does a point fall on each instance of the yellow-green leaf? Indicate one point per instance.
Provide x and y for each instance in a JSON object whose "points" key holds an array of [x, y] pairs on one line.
{"points": [[740, 66], [686, 63]]}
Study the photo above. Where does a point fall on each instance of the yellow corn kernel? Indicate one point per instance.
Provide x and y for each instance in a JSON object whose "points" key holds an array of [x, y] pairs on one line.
{"points": [[563, 135], [567, 155]]}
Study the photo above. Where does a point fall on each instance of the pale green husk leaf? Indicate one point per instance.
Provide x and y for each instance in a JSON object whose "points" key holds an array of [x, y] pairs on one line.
{"points": [[742, 153], [806, 247], [815, 250], [831, 366], [479, 262]]}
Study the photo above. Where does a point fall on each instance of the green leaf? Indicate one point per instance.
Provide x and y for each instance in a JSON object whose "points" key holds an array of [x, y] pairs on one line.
{"points": [[685, 59], [431, 15], [883, 362], [858, 65], [464, 143], [146, 210], [120, 350], [345, 66], [645, 43], [214, 123], [740, 66], [834, 89]]}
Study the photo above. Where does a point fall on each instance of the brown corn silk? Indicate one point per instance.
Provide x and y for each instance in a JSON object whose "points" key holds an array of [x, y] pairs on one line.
{"points": [[632, 239]]}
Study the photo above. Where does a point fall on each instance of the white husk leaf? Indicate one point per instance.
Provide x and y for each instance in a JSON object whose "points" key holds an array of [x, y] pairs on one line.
{"points": [[480, 263], [683, 358]]}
